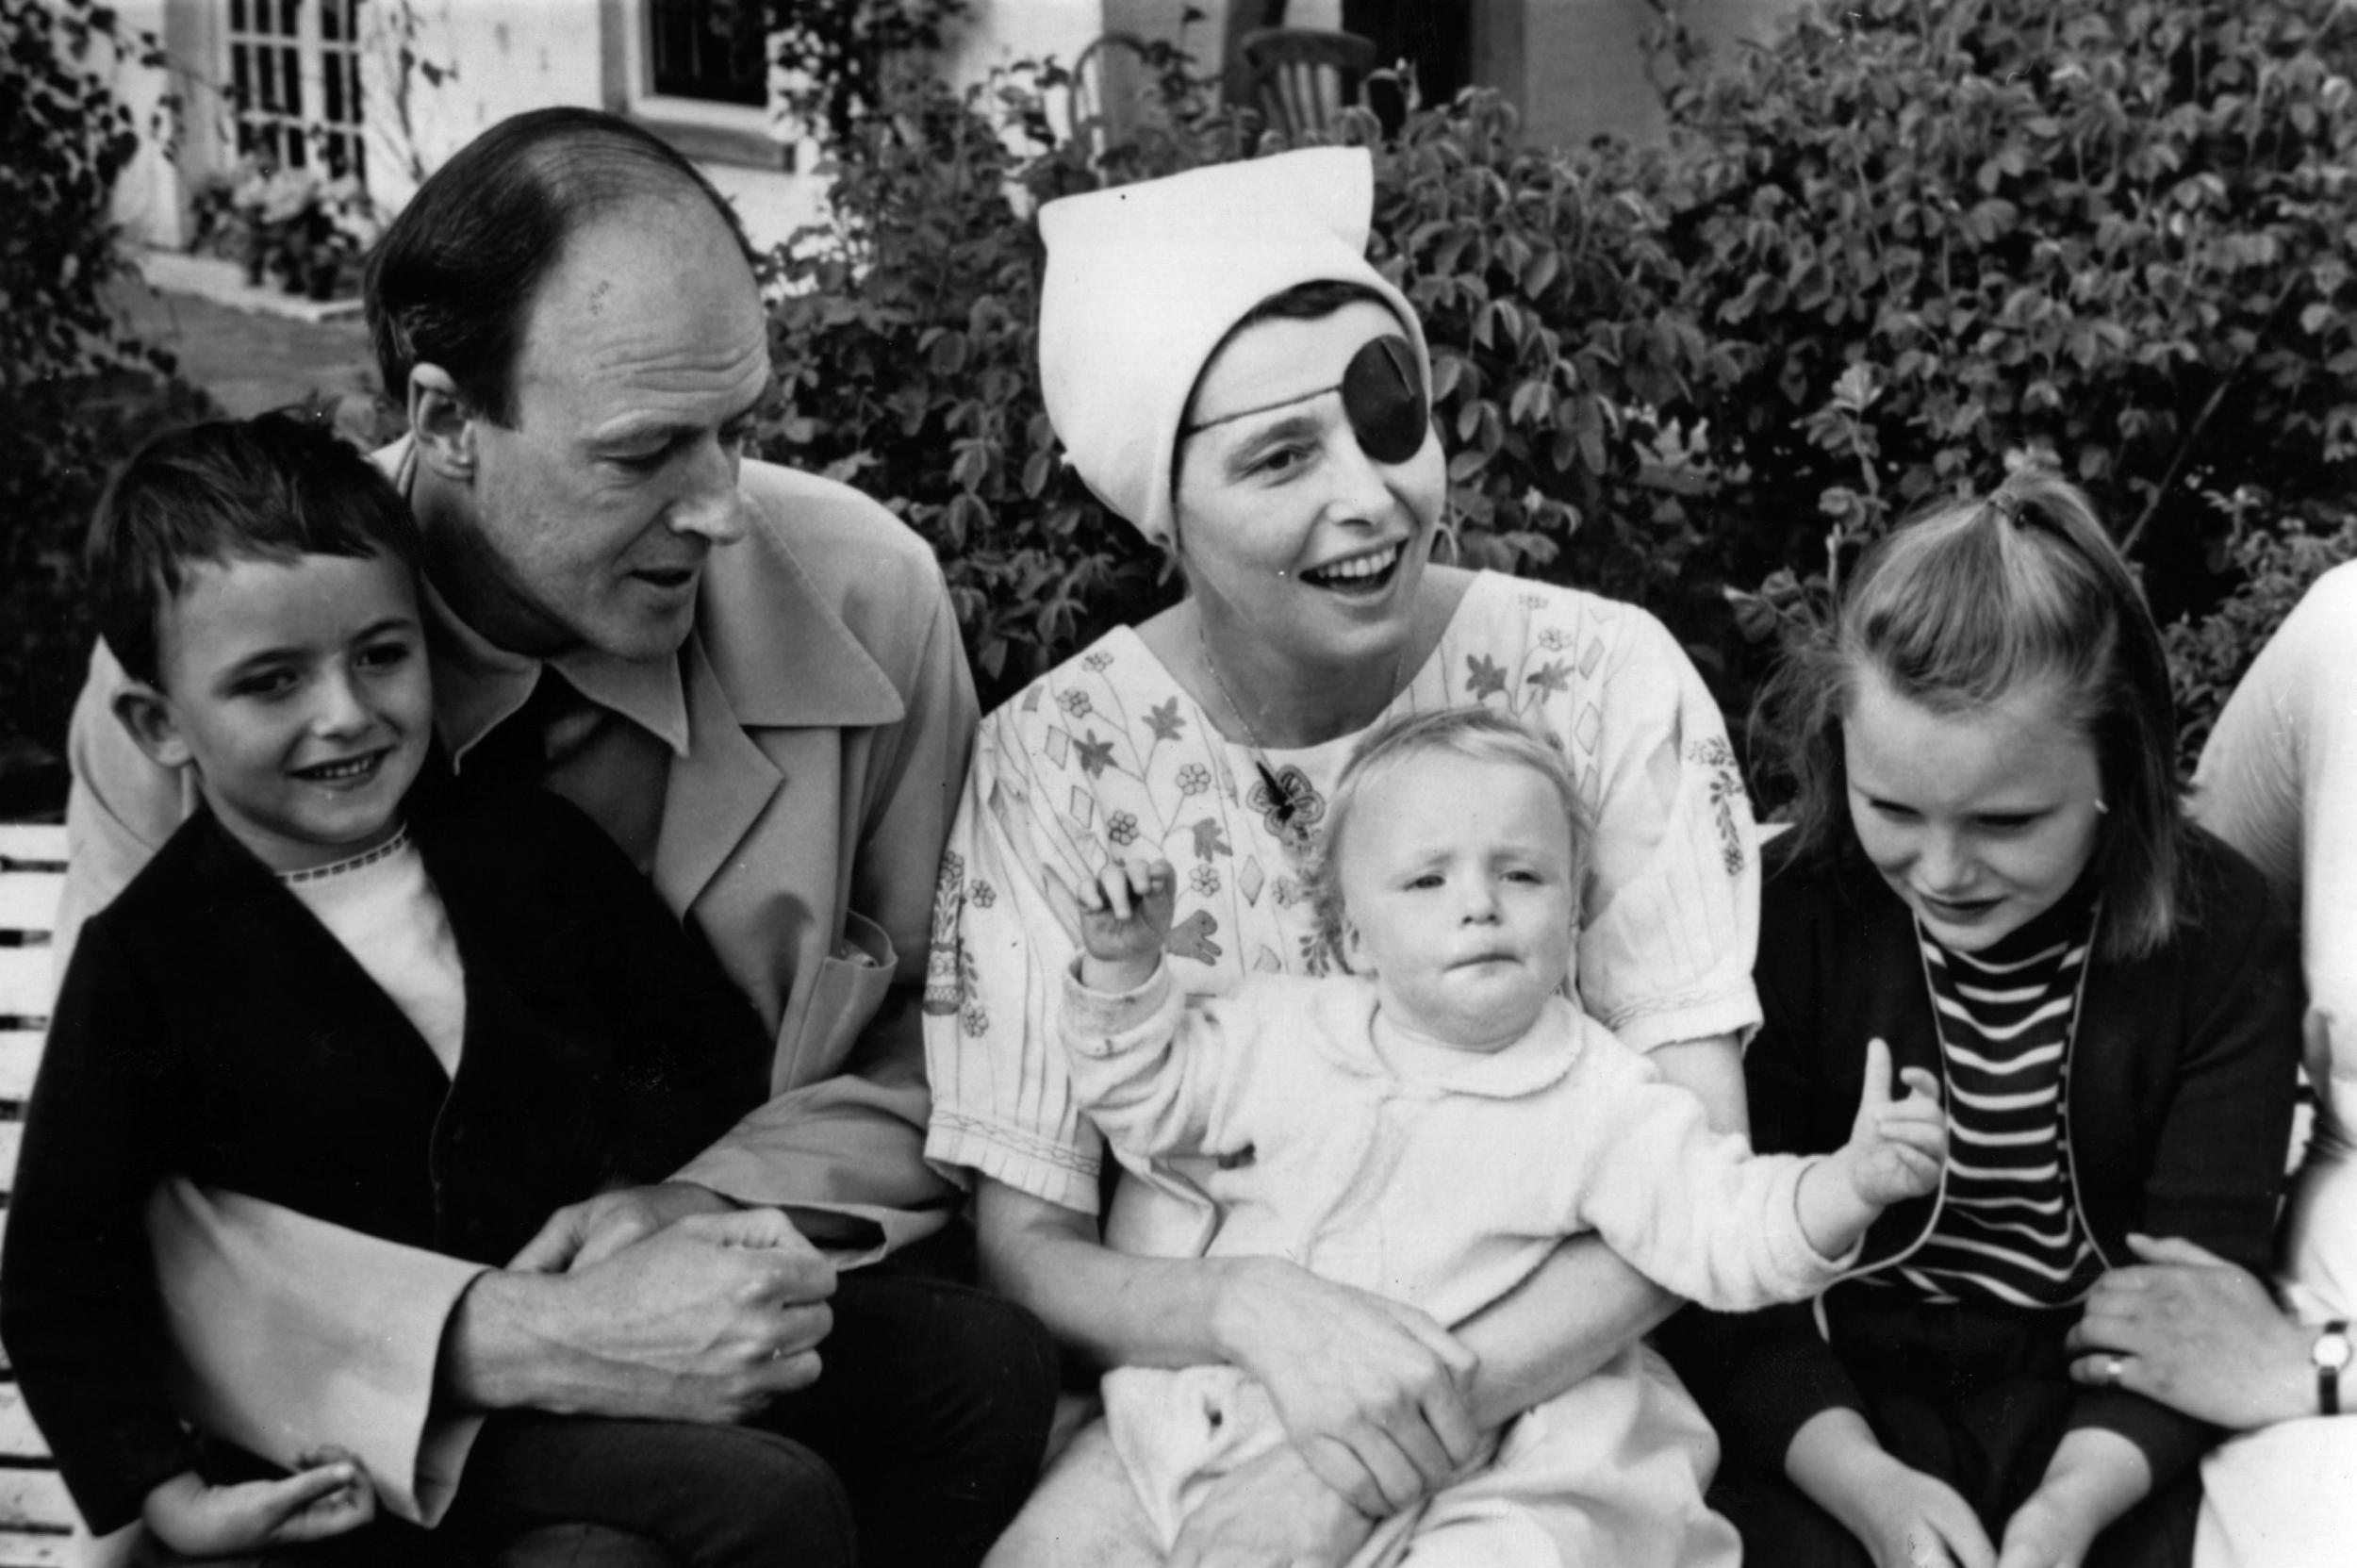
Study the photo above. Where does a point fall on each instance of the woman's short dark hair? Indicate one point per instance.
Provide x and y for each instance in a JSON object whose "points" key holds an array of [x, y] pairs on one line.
{"points": [[1304, 301], [452, 280], [272, 488], [1966, 602]]}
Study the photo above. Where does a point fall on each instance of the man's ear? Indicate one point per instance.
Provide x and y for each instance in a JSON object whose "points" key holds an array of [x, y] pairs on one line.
{"points": [[145, 714], [442, 422]]}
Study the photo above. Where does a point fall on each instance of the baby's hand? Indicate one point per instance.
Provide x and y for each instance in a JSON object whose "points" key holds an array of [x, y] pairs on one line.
{"points": [[1124, 915], [330, 1496], [1897, 1147]]}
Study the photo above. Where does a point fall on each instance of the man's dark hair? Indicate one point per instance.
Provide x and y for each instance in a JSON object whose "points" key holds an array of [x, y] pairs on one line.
{"points": [[452, 280], [271, 488]]}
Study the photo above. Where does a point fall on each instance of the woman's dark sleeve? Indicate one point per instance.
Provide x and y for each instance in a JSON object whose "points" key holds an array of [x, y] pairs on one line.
{"points": [[2218, 1162], [1761, 1375], [78, 1304]]}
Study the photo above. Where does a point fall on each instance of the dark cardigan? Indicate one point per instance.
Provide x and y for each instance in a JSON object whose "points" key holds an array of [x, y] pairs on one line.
{"points": [[2182, 1084], [209, 1025]]}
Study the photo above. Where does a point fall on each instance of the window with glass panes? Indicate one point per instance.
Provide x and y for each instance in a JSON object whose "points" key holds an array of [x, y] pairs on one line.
{"points": [[294, 82], [715, 50]]}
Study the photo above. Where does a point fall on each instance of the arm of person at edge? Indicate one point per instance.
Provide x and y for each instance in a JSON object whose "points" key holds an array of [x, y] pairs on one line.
{"points": [[2200, 1333]]}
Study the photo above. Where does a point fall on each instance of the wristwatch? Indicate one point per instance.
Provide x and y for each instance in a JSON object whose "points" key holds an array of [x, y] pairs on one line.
{"points": [[2329, 1353]]}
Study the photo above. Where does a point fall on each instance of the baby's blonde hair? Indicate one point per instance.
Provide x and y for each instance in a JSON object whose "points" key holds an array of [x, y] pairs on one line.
{"points": [[1482, 735]]}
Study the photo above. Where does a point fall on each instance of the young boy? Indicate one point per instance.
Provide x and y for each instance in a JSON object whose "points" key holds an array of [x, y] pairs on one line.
{"points": [[430, 1021], [1429, 1127]]}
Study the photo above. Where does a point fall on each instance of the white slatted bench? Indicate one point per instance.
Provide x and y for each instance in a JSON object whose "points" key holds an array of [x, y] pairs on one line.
{"points": [[35, 1515]]}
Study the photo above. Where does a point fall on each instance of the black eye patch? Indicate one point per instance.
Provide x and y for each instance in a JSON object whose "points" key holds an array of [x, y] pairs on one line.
{"points": [[1383, 400]]}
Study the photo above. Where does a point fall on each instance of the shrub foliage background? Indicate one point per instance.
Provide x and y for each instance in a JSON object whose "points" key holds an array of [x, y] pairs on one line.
{"points": [[1916, 242], [1913, 243], [74, 394]]}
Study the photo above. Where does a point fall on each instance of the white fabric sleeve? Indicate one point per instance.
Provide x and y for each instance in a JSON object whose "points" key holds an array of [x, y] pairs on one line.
{"points": [[1157, 1076], [1671, 907], [294, 1334], [1696, 1210], [1003, 1104]]}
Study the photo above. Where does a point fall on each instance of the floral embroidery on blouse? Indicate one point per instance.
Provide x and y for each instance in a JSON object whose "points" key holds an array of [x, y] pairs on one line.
{"points": [[1728, 796], [1107, 757]]}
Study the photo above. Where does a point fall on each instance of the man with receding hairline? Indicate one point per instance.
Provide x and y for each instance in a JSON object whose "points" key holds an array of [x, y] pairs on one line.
{"points": [[751, 679]]}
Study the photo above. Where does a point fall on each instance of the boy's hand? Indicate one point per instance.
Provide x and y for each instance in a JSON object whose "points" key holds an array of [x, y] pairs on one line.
{"points": [[1897, 1148], [1123, 917], [330, 1496]]}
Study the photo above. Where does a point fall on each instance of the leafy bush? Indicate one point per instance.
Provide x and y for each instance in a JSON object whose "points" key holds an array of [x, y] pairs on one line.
{"points": [[2208, 657], [904, 338], [1934, 237], [1917, 240], [74, 392]]}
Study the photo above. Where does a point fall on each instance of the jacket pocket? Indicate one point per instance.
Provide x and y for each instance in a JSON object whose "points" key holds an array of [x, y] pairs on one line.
{"points": [[827, 1012]]}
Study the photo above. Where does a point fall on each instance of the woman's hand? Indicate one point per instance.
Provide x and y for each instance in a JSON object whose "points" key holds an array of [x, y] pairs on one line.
{"points": [[2094, 1477], [1373, 1393], [1272, 1512], [2190, 1329], [1903, 1517]]}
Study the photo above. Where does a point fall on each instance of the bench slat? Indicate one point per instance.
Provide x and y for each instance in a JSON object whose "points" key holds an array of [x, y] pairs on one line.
{"points": [[26, 991], [34, 1497], [39, 843], [29, 899], [19, 1438], [24, 1550], [20, 1060]]}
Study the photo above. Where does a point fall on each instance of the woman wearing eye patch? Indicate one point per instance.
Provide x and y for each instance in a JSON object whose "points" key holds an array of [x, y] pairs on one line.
{"points": [[1230, 375]]}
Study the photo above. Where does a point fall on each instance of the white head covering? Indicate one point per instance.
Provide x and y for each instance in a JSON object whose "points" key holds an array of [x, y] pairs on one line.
{"points": [[1145, 280]]}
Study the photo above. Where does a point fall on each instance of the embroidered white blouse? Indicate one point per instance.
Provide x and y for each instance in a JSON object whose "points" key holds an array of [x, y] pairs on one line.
{"points": [[1108, 755]]}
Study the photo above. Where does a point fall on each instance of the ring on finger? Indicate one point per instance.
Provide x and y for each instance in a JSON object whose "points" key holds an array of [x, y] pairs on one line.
{"points": [[2114, 1367]]}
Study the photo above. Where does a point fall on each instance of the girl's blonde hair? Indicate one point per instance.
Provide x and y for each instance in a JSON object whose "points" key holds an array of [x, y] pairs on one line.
{"points": [[1479, 734], [1972, 600]]}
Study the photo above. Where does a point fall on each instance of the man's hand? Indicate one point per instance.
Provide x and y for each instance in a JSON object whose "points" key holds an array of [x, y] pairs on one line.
{"points": [[579, 1234], [1271, 1512], [329, 1496], [708, 1319], [1372, 1392]]}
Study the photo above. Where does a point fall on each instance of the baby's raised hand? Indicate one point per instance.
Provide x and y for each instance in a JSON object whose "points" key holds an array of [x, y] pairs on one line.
{"points": [[330, 1496], [1124, 915], [1897, 1147]]}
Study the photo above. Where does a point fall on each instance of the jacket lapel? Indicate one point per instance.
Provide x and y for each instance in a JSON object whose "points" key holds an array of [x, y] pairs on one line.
{"points": [[770, 651], [715, 792]]}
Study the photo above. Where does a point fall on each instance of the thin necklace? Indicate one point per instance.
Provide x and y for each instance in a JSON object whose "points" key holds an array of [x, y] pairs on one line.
{"points": [[1284, 800]]}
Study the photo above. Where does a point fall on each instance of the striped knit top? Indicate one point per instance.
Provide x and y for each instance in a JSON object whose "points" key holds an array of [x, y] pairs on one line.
{"points": [[2008, 1229]]}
